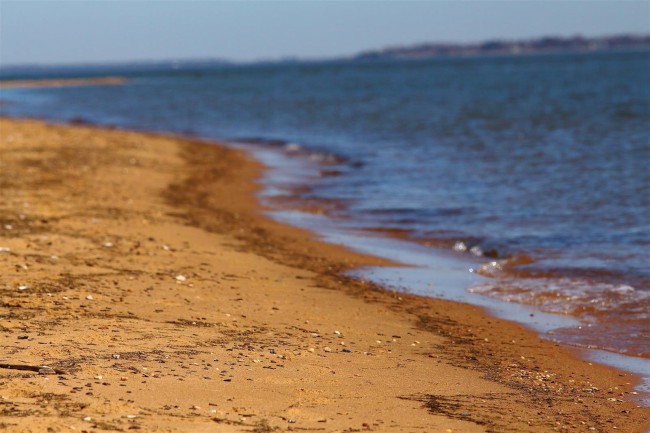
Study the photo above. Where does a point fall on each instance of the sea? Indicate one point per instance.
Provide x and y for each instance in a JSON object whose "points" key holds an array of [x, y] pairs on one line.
{"points": [[517, 183]]}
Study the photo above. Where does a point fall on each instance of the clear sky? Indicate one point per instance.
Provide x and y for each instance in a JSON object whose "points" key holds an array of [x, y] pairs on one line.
{"points": [[55, 32]]}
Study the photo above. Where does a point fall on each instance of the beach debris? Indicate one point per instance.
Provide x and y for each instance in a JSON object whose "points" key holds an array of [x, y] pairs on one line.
{"points": [[165, 247], [23, 287], [87, 419], [40, 369], [90, 297], [108, 245], [337, 332], [8, 227], [115, 356], [181, 278], [99, 377], [346, 350], [327, 349], [5, 249]]}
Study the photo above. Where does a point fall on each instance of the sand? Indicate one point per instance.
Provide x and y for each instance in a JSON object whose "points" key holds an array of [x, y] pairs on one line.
{"points": [[64, 82], [139, 267]]}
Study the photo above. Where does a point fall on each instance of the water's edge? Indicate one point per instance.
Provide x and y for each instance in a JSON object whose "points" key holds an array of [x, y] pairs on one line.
{"points": [[430, 272]]}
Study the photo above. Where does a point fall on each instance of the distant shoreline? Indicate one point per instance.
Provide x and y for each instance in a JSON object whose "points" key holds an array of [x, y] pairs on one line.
{"points": [[63, 82], [543, 45]]}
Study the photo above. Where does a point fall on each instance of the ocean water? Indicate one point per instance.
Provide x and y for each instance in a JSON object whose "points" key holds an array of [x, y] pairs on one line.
{"points": [[530, 174]]}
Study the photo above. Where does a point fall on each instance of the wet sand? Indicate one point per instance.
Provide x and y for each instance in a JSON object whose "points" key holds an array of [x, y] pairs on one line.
{"points": [[139, 269], [63, 82]]}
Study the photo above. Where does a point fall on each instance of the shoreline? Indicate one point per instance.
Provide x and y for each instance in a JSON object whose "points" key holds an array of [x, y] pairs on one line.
{"points": [[423, 258], [457, 368], [63, 82]]}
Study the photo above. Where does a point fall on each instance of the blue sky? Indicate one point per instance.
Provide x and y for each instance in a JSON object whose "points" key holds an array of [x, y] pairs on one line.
{"points": [[54, 32]]}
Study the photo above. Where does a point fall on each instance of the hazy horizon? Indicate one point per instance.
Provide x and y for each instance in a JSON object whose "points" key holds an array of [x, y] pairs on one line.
{"points": [[64, 33]]}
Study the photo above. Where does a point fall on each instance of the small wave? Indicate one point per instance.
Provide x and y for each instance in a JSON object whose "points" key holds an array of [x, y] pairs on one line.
{"points": [[568, 296], [501, 268], [292, 147], [462, 247]]}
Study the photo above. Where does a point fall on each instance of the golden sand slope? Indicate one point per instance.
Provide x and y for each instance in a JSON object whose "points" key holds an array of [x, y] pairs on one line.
{"points": [[139, 265]]}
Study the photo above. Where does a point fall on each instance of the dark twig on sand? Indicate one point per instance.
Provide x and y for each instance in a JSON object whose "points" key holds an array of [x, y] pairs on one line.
{"points": [[41, 369]]}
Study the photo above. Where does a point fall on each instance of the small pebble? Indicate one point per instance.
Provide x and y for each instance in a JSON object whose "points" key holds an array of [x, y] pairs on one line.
{"points": [[181, 278], [89, 297]]}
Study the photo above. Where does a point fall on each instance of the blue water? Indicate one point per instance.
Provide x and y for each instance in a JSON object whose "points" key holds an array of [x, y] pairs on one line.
{"points": [[538, 165]]}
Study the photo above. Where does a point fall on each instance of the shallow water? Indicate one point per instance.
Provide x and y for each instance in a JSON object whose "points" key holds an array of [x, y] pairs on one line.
{"points": [[532, 171]]}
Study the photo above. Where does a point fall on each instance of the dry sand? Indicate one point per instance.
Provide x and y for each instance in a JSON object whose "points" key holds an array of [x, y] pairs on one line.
{"points": [[139, 266]]}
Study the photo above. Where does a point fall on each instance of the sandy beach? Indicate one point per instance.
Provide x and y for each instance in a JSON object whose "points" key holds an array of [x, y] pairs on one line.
{"points": [[139, 269]]}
